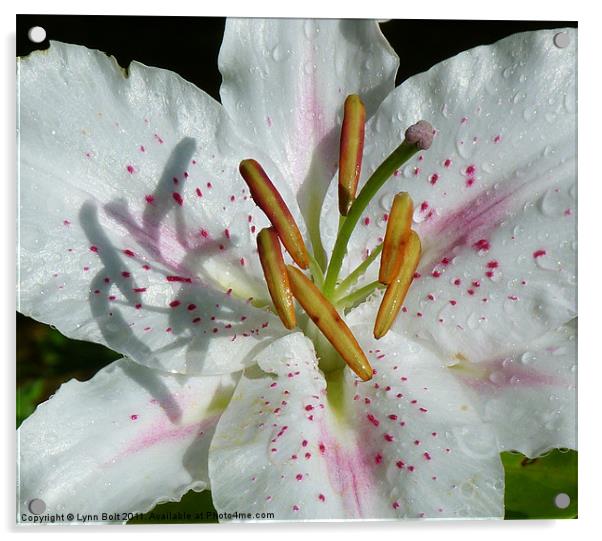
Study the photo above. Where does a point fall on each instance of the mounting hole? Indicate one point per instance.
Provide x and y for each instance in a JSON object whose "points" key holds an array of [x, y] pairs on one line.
{"points": [[562, 500], [37, 506], [562, 40], [36, 34]]}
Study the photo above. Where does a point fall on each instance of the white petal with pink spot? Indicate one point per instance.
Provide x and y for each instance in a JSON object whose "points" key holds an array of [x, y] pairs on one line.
{"points": [[136, 230], [121, 442], [407, 444], [529, 395], [505, 122], [285, 82]]}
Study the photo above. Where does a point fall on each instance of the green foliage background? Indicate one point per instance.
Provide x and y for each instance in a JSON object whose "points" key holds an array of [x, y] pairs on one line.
{"points": [[46, 359]]}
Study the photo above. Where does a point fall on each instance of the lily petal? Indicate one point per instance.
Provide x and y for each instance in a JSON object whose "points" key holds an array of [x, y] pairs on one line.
{"points": [[505, 120], [136, 230], [407, 444], [127, 439], [285, 82], [529, 397]]}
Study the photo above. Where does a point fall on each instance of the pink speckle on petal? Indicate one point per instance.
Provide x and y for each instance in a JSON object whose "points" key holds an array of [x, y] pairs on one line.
{"points": [[130, 169], [373, 420], [538, 253], [179, 279], [177, 198], [133, 417], [481, 245]]}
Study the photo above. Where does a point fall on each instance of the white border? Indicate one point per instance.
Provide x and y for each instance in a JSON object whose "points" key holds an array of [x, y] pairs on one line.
{"points": [[590, 267]]}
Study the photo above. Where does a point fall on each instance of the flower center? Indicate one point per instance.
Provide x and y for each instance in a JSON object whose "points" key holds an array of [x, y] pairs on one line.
{"points": [[321, 294]]}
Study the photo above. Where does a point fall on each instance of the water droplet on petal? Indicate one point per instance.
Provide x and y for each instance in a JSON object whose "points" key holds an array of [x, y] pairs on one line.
{"points": [[518, 97], [529, 113]]}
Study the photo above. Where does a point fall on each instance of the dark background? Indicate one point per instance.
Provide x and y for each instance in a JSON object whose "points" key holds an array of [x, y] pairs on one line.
{"points": [[190, 45]]}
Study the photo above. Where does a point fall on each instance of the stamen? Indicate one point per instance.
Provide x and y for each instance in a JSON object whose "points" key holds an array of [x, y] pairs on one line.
{"points": [[397, 289], [398, 232], [268, 199], [351, 151], [330, 323], [276, 276]]}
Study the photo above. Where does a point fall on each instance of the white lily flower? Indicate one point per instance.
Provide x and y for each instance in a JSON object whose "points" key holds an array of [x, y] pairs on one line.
{"points": [[138, 232]]}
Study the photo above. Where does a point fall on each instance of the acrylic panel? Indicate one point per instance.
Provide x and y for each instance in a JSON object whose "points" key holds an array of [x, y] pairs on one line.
{"points": [[295, 270]]}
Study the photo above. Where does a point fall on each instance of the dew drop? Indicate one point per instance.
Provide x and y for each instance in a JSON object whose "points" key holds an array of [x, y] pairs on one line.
{"points": [[465, 148], [569, 102], [408, 171], [552, 203], [529, 113], [386, 201], [518, 97], [307, 28], [472, 321], [279, 53], [497, 377], [488, 167]]}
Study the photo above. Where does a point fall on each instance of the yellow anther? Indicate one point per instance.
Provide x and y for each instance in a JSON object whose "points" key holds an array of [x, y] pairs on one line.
{"points": [[268, 199], [397, 234], [351, 151], [276, 276], [330, 323], [397, 289]]}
